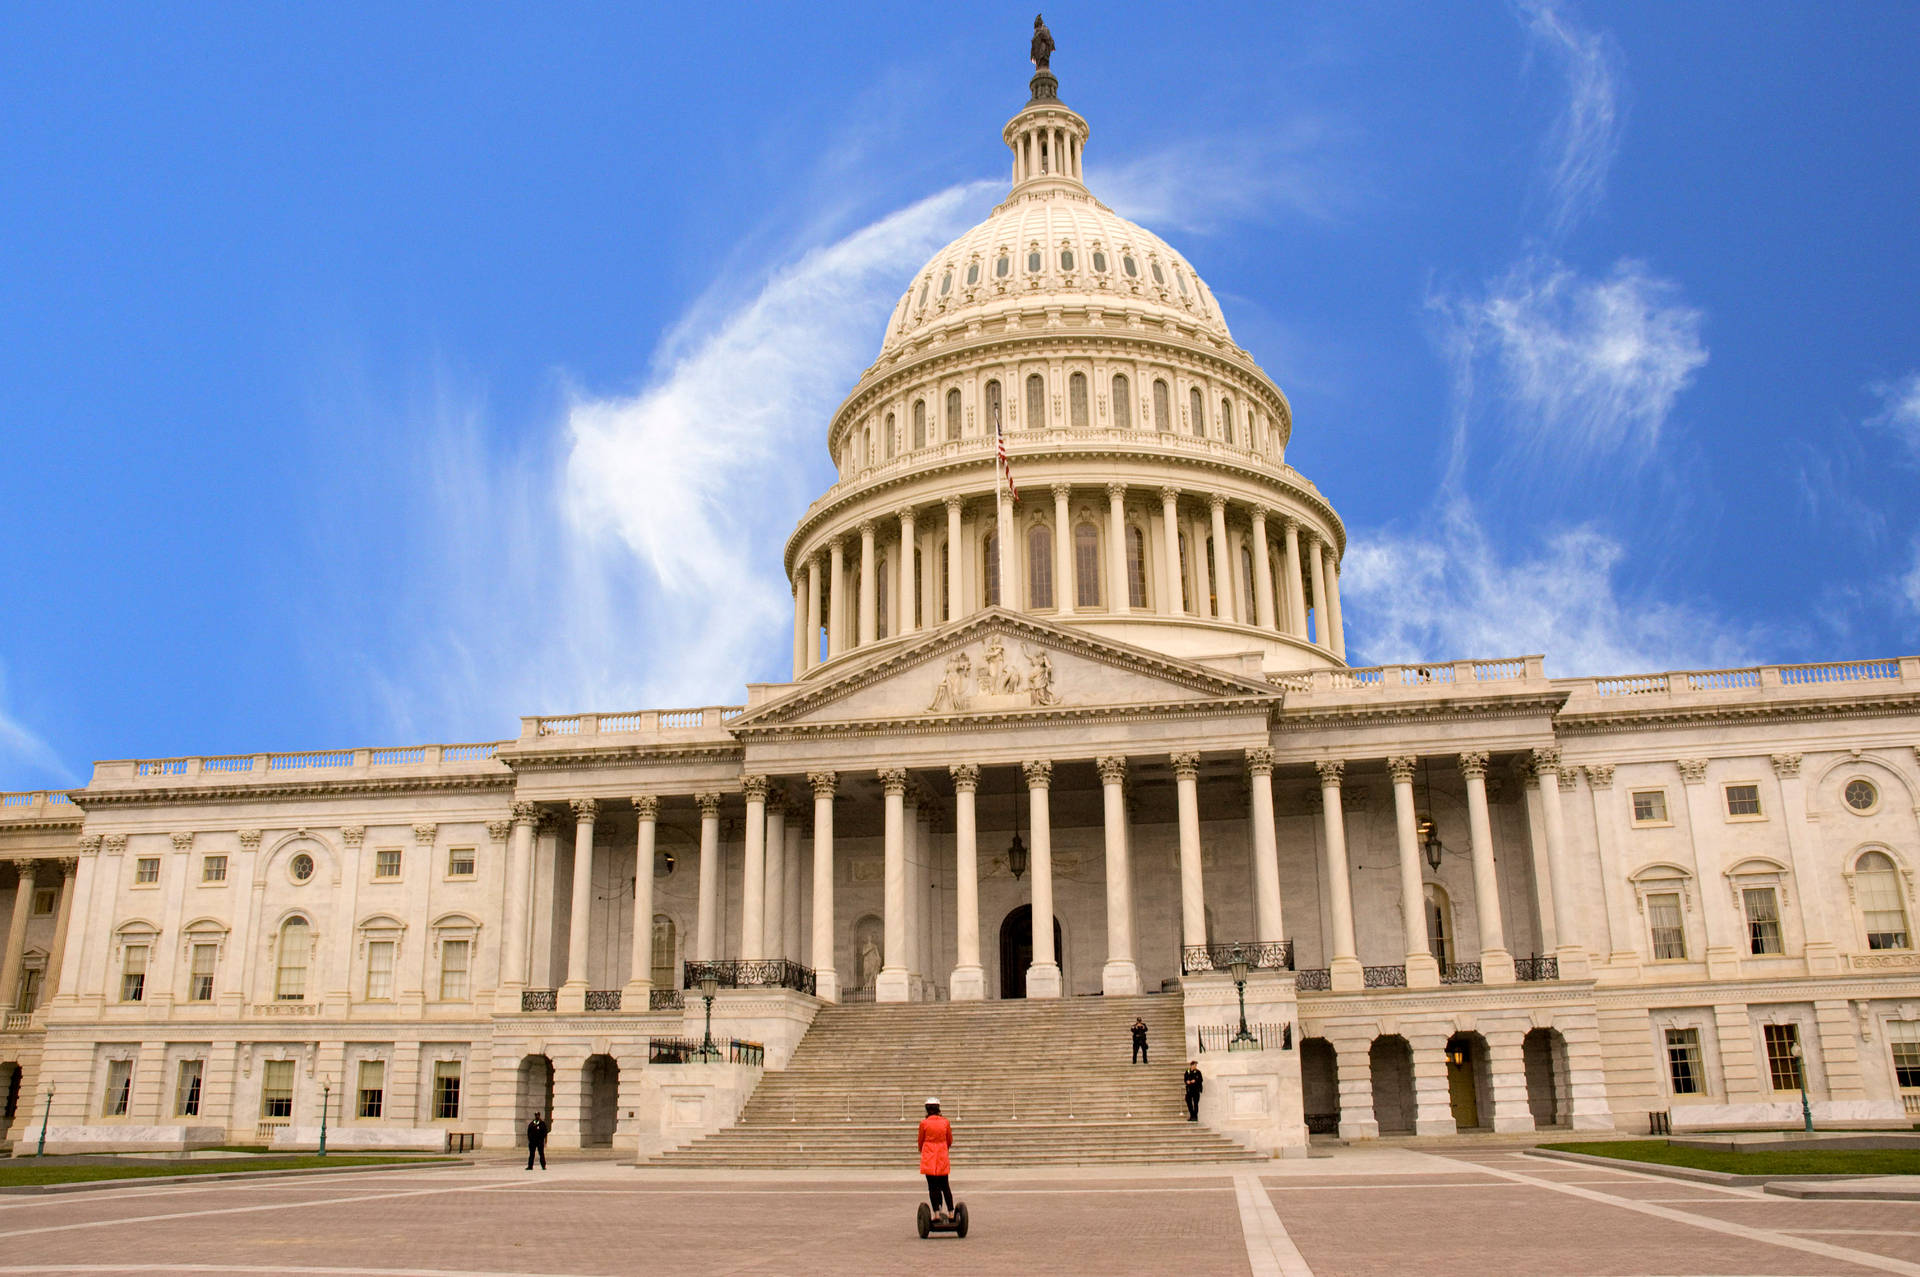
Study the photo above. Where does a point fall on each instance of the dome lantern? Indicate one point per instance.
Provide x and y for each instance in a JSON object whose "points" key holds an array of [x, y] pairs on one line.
{"points": [[1047, 139]]}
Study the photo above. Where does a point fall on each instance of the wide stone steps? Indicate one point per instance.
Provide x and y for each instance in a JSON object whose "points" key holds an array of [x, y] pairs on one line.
{"points": [[1025, 1083]]}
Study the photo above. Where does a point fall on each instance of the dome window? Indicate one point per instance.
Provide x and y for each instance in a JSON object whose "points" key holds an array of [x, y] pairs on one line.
{"points": [[923, 292], [946, 283], [1003, 267], [1181, 280], [1033, 262], [1130, 266], [973, 273], [1158, 278], [1099, 262], [1066, 259]]}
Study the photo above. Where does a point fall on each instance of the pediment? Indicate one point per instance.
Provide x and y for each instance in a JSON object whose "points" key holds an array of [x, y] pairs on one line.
{"points": [[1001, 664]]}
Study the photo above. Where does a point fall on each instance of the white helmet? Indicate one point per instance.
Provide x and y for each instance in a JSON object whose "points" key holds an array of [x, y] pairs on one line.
{"points": [[932, 1103]]}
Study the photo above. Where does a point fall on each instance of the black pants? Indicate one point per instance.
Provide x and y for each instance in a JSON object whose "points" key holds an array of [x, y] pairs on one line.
{"points": [[1193, 1105], [539, 1151], [939, 1191], [1139, 1052]]}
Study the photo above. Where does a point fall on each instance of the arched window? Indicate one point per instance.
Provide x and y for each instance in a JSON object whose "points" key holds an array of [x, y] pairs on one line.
{"points": [[953, 413], [853, 606], [1036, 402], [1136, 567], [919, 590], [1186, 578], [1162, 406], [1077, 401], [946, 593], [867, 434], [664, 968], [889, 437], [1226, 420], [1122, 403], [1086, 565], [1039, 566], [1213, 585], [880, 597], [993, 404], [1282, 601], [1439, 925], [990, 566], [1003, 267], [293, 953], [1876, 885], [919, 424], [1198, 407], [1247, 609]]}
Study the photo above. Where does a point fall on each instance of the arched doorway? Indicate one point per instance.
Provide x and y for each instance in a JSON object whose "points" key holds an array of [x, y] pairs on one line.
{"points": [[1391, 1061], [1469, 1081], [1320, 1086], [1544, 1053], [601, 1083], [532, 1094], [9, 1094], [1016, 950]]}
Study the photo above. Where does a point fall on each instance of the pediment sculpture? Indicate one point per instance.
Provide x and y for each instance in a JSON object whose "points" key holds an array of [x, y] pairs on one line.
{"points": [[1001, 681]]}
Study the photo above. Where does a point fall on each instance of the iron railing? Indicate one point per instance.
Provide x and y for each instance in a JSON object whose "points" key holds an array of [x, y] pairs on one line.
{"points": [[1266, 1037], [677, 1050], [856, 995], [1313, 980], [1269, 955], [674, 1050], [1460, 973], [739, 973], [1323, 1123], [753, 1053], [1536, 968], [540, 1000], [1384, 977], [603, 999], [665, 1000]]}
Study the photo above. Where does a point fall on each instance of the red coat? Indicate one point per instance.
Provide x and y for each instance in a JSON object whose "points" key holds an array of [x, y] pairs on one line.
{"points": [[936, 1137]]}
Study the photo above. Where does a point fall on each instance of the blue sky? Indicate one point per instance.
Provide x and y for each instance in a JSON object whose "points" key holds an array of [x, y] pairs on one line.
{"points": [[378, 373]]}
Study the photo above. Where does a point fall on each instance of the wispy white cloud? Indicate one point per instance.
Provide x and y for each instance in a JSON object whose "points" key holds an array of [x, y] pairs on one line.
{"points": [[1446, 592], [1579, 366], [1203, 184], [1580, 148], [1910, 583], [1899, 410], [24, 752]]}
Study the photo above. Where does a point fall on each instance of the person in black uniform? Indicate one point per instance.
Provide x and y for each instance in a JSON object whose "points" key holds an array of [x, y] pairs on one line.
{"points": [[1139, 1040], [537, 1141], [1194, 1085]]}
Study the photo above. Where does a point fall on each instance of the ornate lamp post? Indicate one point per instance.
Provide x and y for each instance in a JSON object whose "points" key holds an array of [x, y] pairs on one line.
{"points": [[1237, 962], [326, 1102], [1800, 1067], [41, 1151], [709, 985]]}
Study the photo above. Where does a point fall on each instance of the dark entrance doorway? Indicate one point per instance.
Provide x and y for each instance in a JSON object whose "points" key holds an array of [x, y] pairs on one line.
{"points": [[533, 1094], [602, 1085], [1016, 951]]}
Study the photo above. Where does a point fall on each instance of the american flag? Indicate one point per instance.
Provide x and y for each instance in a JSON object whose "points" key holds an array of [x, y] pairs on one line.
{"points": [[1000, 450]]}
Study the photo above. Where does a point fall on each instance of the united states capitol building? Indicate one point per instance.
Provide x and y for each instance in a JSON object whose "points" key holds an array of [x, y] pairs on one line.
{"points": [[1096, 742]]}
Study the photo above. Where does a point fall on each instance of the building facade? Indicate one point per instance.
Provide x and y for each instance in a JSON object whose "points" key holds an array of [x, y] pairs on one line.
{"points": [[1481, 897]]}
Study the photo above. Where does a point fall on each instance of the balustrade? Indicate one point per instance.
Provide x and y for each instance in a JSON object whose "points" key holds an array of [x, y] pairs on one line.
{"points": [[1460, 973], [1393, 977], [1536, 968], [760, 973], [1274, 955], [540, 1000], [603, 999]]}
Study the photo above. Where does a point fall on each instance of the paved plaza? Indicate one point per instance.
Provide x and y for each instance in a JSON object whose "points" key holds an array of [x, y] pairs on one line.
{"points": [[1488, 1211]]}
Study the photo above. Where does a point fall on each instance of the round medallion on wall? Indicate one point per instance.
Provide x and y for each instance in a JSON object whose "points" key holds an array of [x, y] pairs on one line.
{"points": [[1862, 795], [301, 867]]}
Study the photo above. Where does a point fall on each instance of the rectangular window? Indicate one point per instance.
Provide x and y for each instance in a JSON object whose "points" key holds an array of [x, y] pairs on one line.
{"points": [[1784, 1068], [386, 862], [454, 958], [1904, 1037], [213, 869], [1683, 1062], [372, 1099], [276, 1089], [133, 973], [1668, 926], [1649, 806], [379, 970], [29, 999], [200, 978], [146, 869], [1763, 920], [1881, 907], [460, 862], [1743, 800], [43, 902], [446, 1090], [186, 1094], [119, 1088]]}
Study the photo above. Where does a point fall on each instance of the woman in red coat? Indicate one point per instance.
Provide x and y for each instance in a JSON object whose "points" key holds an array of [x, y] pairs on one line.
{"points": [[936, 1140]]}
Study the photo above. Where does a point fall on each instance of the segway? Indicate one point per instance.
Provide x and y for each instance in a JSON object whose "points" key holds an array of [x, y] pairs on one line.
{"points": [[955, 1223]]}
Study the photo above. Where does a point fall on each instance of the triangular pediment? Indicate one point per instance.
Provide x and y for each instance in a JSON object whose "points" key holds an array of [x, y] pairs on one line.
{"points": [[1000, 663]]}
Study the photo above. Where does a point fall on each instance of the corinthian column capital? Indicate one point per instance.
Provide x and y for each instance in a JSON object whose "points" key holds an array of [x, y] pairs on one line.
{"points": [[1402, 767], [1260, 761], [1330, 769], [647, 805], [1474, 765], [1039, 773], [824, 783], [709, 805], [1186, 766], [894, 780], [585, 808], [754, 787], [966, 777], [1113, 769]]}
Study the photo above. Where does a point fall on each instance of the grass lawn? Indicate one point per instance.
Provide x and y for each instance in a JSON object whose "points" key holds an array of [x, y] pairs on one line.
{"points": [[1813, 1161], [27, 1171]]}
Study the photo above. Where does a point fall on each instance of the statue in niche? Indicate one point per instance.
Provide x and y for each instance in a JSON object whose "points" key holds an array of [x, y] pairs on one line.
{"points": [[997, 676], [1041, 50], [867, 960], [1040, 677], [950, 697]]}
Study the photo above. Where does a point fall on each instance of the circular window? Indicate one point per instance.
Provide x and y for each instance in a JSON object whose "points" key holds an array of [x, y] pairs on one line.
{"points": [[1861, 795], [1033, 263], [973, 274], [301, 867], [663, 863], [1130, 266], [1099, 261], [1004, 266]]}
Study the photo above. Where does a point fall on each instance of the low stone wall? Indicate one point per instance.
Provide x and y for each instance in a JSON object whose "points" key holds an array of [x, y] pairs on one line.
{"points": [[375, 1139], [1250, 1096], [1785, 1115], [126, 1139]]}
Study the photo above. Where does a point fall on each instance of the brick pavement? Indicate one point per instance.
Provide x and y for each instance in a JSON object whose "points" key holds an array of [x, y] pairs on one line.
{"points": [[1363, 1211]]}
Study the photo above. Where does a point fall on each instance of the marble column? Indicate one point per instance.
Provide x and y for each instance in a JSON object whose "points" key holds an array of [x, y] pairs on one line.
{"points": [[1170, 551], [516, 920], [1423, 971], [17, 931], [753, 874], [895, 983], [916, 888], [837, 599], [792, 937], [1572, 956], [639, 991], [72, 977], [1121, 976], [573, 994], [813, 611], [706, 946], [1270, 925], [1120, 598], [773, 925], [1335, 633], [1222, 560], [1296, 591], [869, 584], [826, 970], [909, 579], [63, 914], [799, 623], [1322, 627], [1205, 596], [956, 565], [1345, 968], [969, 980], [1193, 895], [1063, 592], [1043, 977], [1496, 963], [1262, 572]]}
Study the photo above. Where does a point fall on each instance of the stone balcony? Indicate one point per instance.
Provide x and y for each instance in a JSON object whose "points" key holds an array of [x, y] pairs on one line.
{"points": [[141, 779], [38, 807]]}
